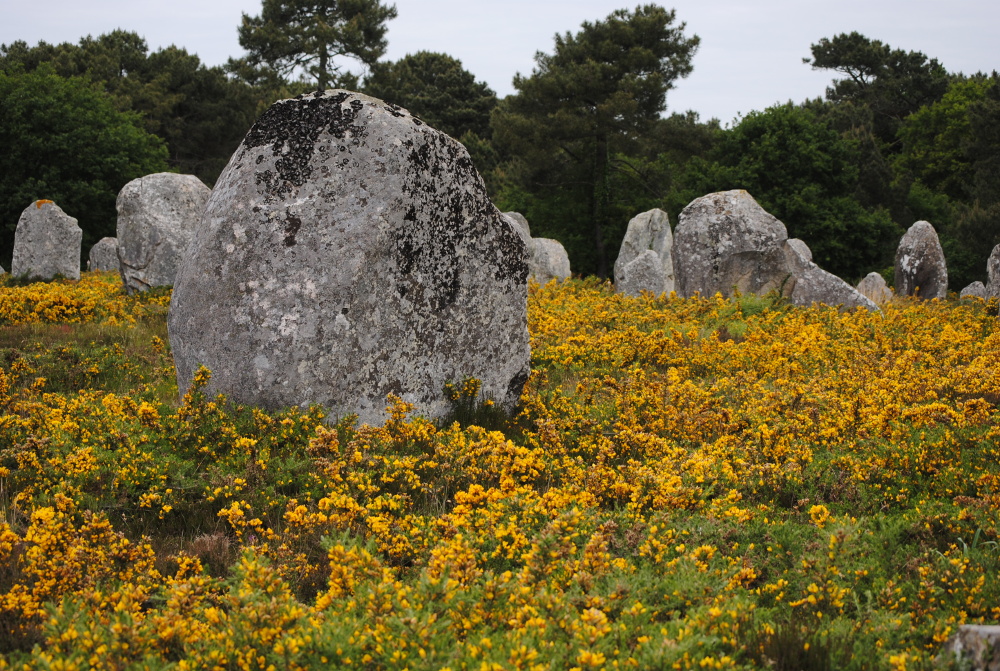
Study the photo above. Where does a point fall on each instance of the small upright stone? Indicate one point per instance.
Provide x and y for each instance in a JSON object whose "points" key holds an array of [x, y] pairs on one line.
{"points": [[724, 242], [104, 255], [548, 261], [157, 217], [873, 286], [520, 220], [649, 231], [920, 266], [348, 252], [976, 289], [993, 273], [46, 243]]}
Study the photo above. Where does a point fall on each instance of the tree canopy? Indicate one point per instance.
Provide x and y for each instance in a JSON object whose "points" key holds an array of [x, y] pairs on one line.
{"points": [[436, 88], [598, 92], [314, 35]]}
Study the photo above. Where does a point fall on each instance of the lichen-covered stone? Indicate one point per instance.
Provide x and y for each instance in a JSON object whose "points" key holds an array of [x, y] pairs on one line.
{"points": [[348, 252], [46, 243], [975, 647], [548, 261], [977, 289], [920, 267], [808, 283], [157, 217], [724, 242], [649, 231], [643, 273], [874, 288], [104, 255]]}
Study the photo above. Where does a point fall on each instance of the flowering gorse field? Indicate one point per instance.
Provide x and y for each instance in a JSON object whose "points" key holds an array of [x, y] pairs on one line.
{"points": [[689, 484]]}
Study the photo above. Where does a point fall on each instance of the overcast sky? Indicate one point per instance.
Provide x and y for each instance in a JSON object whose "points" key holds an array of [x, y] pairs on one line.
{"points": [[750, 56]]}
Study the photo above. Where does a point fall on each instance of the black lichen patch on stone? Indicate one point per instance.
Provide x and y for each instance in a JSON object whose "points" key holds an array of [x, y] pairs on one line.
{"points": [[292, 226], [292, 129]]}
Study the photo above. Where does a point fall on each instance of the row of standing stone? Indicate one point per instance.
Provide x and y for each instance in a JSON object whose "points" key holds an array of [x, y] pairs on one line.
{"points": [[157, 217]]}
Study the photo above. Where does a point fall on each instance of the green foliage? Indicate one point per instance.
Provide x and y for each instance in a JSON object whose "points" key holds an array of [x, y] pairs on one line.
{"points": [[312, 35], [595, 96], [436, 88], [65, 141], [199, 112]]}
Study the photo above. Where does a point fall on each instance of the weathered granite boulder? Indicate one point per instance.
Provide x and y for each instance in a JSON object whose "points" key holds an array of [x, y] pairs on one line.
{"points": [[993, 273], [104, 255], [649, 231], [548, 261], [157, 217], [976, 289], [874, 288], [808, 283], [347, 252], [920, 267], [975, 647], [46, 243], [724, 242]]}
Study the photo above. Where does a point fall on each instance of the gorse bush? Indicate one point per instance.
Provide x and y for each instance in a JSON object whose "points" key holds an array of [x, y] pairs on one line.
{"points": [[696, 483]]}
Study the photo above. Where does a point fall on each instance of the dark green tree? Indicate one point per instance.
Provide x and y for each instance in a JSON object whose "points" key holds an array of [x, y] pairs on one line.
{"points": [[804, 173], [596, 96], [313, 36], [436, 88], [881, 86], [200, 112], [64, 140]]}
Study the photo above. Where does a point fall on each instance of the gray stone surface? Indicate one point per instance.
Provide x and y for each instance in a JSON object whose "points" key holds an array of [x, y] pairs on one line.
{"points": [[810, 284], [157, 217], [920, 266], [874, 288], [349, 251], [724, 242], [975, 647], [46, 243], [548, 261], [993, 273], [977, 289], [649, 231], [643, 273], [104, 255]]}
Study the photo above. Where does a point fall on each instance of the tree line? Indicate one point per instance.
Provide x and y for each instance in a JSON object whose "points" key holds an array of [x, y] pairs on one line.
{"points": [[582, 145]]}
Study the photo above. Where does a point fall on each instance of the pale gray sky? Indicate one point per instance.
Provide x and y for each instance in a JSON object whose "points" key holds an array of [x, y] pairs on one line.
{"points": [[750, 56]]}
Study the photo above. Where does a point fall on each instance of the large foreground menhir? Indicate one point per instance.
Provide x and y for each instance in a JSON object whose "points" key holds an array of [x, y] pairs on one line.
{"points": [[349, 251]]}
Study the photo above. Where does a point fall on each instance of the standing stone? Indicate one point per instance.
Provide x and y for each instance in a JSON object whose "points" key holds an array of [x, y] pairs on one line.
{"points": [[548, 261], [977, 289], [157, 217], [993, 273], [808, 283], [873, 287], [649, 231], [920, 266], [724, 242], [46, 243], [349, 251], [104, 255]]}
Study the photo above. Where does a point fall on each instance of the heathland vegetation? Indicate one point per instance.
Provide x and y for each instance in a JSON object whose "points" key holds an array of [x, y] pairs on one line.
{"points": [[689, 483]]}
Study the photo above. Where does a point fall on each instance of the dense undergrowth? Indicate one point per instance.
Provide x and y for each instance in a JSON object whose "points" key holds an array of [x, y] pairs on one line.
{"points": [[700, 483]]}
